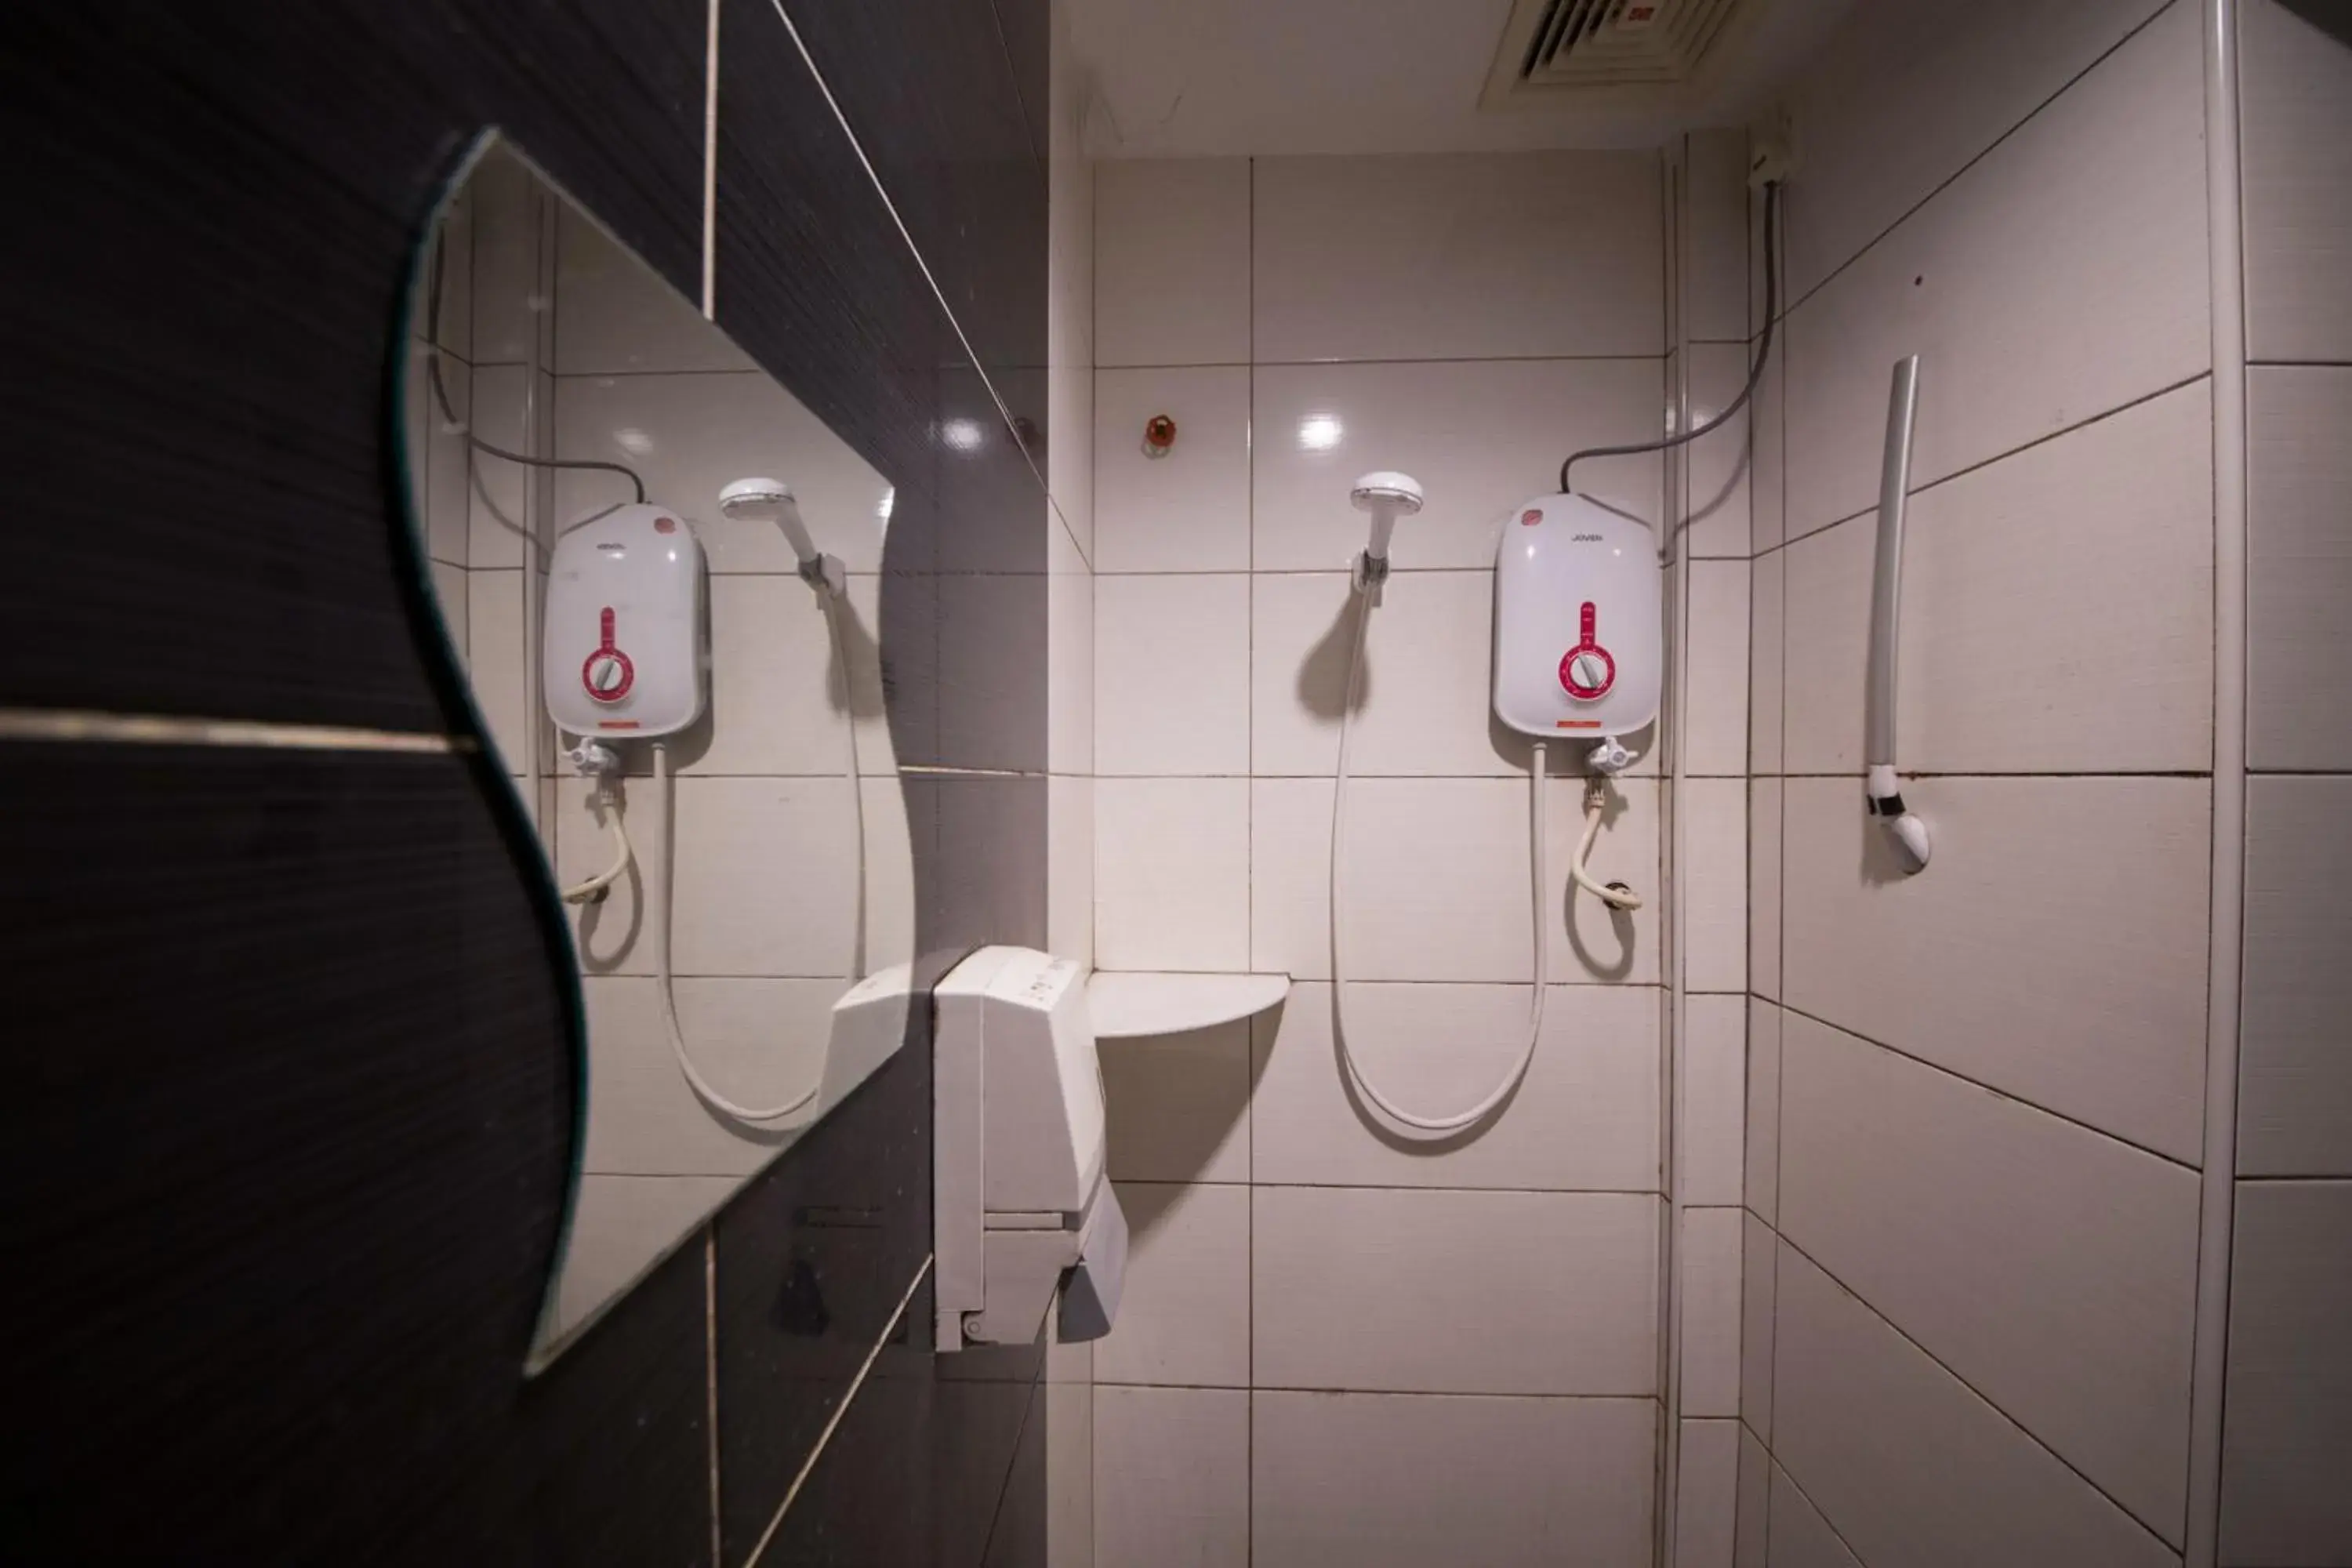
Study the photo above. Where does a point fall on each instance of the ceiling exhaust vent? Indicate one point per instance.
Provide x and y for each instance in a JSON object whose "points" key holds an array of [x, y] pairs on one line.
{"points": [[1563, 45]]}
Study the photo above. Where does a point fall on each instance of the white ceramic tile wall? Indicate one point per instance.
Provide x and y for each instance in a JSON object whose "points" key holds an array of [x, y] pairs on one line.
{"points": [[1910, 1465], [2057, 610], [1481, 436], [1766, 719], [1715, 689], [1798, 1536], [1184, 1317], [1320, 292], [1905, 96], [1187, 510], [1713, 230], [2287, 1432], [1522, 1259], [1423, 692], [760, 1042], [1172, 1471], [1172, 674], [1764, 885], [1712, 878], [1707, 1498], [1761, 1190], [1711, 1260], [714, 426], [2296, 146], [2295, 1108], [1454, 1291], [1958, 969], [2288, 1440], [1999, 189], [1712, 1084], [1180, 1106], [1428, 901], [1172, 873], [2058, 278], [2299, 566], [2052, 1269], [1172, 262], [1753, 1504], [1757, 1272], [1584, 1119], [1377, 1480], [1718, 463]]}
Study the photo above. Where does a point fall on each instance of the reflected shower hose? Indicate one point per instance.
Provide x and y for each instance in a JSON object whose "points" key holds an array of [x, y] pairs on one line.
{"points": [[664, 979], [1595, 800]]}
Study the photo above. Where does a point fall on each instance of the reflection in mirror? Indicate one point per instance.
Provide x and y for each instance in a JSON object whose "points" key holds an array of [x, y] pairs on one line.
{"points": [[659, 571]]}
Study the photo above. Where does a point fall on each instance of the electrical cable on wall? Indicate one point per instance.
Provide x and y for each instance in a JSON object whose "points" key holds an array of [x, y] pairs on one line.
{"points": [[1756, 372], [441, 392]]}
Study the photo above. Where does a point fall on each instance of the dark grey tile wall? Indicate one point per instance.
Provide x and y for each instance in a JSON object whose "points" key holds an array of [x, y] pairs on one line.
{"points": [[292, 1054]]}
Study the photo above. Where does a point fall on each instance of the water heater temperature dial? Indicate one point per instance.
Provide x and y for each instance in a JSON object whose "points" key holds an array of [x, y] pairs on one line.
{"points": [[1588, 670]]}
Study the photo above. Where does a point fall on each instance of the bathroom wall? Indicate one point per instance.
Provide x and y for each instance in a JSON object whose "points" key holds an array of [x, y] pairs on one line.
{"points": [[1976, 1096], [2288, 1433], [296, 1077], [1336, 1344]]}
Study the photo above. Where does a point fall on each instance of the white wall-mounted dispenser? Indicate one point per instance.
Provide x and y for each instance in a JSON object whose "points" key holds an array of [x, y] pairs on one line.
{"points": [[1018, 1192], [627, 651], [1579, 621]]}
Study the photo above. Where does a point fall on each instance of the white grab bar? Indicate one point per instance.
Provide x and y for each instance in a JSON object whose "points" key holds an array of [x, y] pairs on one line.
{"points": [[1882, 795]]}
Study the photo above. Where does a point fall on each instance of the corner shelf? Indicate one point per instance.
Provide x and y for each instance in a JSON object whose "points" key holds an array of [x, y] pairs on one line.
{"points": [[1126, 1004]]}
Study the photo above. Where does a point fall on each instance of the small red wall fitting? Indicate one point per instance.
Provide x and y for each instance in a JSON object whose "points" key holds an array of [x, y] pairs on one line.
{"points": [[1158, 434]]}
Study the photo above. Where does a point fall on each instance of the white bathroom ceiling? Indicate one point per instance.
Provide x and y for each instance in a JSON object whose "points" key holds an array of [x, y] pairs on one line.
{"points": [[1199, 78]]}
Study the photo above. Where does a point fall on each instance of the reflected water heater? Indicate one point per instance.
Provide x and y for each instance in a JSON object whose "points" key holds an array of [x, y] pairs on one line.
{"points": [[1579, 621], [627, 655]]}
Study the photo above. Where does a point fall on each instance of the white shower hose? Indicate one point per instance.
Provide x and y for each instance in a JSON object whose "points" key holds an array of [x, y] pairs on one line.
{"points": [[665, 812], [1595, 802]]}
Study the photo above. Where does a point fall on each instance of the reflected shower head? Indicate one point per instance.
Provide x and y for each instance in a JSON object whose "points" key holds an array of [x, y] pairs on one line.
{"points": [[1388, 496], [770, 500]]}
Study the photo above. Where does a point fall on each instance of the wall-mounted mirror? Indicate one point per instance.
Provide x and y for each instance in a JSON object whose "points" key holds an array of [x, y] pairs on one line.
{"points": [[659, 571]]}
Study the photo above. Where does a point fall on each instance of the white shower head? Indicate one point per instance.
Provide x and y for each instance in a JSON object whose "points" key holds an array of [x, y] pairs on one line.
{"points": [[1388, 496], [770, 500]]}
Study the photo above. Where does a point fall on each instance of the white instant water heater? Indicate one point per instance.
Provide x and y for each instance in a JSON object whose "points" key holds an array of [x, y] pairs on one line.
{"points": [[627, 651], [1579, 621]]}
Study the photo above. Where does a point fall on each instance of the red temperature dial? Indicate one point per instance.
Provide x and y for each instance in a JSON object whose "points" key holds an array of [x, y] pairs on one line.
{"points": [[608, 674], [1588, 670]]}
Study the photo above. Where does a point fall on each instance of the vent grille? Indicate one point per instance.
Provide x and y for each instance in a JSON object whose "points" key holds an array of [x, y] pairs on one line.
{"points": [[1560, 44]]}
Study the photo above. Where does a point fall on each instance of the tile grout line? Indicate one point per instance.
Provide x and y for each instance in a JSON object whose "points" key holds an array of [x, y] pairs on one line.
{"points": [[848, 1397], [1249, 918], [849, 132], [1991, 1403], [2010, 1096], [1818, 1511], [2127, 407], [710, 1369], [1946, 184]]}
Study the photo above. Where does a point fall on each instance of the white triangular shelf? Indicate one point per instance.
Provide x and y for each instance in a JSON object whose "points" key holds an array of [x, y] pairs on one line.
{"points": [[1124, 1004]]}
